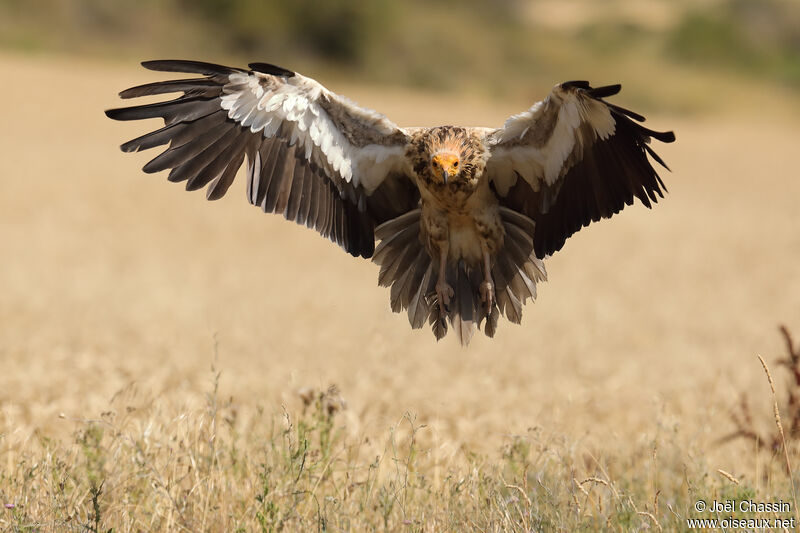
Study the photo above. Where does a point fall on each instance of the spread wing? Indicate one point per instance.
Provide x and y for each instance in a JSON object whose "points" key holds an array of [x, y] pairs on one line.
{"points": [[312, 155], [573, 159]]}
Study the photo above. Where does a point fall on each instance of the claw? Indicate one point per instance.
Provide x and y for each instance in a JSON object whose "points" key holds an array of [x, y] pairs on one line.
{"points": [[444, 292], [487, 295], [487, 287]]}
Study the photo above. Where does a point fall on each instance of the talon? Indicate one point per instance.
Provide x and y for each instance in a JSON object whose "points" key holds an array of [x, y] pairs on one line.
{"points": [[444, 292], [487, 295]]}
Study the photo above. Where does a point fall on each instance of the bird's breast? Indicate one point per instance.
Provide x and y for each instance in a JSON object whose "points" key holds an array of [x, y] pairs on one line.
{"points": [[464, 241], [464, 232]]}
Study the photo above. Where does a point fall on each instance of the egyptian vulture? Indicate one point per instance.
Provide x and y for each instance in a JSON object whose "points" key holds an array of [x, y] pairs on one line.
{"points": [[463, 216]]}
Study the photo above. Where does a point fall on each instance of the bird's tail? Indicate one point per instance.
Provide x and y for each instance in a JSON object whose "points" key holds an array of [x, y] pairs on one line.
{"points": [[407, 268]]}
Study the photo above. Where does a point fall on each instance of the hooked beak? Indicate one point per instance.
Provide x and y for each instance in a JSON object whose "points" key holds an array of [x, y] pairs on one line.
{"points": [[447, 165]]}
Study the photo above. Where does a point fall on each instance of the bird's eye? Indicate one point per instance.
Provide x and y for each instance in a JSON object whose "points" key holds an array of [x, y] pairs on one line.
{"points": [[455, 165]]}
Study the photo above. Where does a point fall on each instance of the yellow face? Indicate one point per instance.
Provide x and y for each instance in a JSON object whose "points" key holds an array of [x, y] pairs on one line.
{"points": [[445, 166]]}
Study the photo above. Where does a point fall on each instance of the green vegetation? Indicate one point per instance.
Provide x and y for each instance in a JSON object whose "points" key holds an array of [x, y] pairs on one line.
{"points": [[340, 31], [439, 44], [756, 37]]}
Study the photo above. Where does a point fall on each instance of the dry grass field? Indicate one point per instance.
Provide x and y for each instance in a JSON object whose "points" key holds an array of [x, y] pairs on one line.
{"points": [[155, 348]]}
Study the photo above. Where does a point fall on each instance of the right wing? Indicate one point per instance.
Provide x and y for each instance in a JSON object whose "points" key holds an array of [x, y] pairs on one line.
{"points": [[312, 155], [573, 159]]}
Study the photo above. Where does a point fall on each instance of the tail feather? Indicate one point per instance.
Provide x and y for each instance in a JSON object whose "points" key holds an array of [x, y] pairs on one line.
{"points": [[418, 308], [404, 274], [414, 281], [518, 220], [515, 258], [438, 323], [507, 301], [535, 271], [520, 233], [400, 266], [390, 228], [490, 328], [464, 312], [390, 252], [408, 269]]}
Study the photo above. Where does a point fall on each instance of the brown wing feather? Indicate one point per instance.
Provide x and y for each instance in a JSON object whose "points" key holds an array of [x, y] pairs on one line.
{"points": [[598, 177], [206, 148]]}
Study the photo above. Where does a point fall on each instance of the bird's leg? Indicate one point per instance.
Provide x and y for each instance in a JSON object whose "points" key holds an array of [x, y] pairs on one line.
{"points": [[487, 287], [443, 291]]}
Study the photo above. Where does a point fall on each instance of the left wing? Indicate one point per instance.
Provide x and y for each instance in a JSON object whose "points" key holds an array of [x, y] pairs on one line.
{"points": [[312, 155], [573, 159]]}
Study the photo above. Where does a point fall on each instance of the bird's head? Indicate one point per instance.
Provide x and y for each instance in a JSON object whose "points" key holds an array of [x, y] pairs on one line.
{"points": [[445, 165], [448, 157]]}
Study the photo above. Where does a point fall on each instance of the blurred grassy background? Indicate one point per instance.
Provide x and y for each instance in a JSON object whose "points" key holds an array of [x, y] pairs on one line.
{"points": [[606, 406], [672, 54]]}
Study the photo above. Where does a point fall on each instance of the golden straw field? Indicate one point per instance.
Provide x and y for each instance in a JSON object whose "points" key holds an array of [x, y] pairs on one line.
{"points": [[156, 350]]}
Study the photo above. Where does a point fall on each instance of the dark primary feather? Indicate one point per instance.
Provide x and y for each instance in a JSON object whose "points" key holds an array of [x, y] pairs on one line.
{"points": [[192, 67], [268, 68], [192, 87], [184, 109], [603, 92], [177, 134]]}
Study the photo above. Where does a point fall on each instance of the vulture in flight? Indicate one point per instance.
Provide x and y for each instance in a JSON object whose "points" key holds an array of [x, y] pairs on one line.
{"points": [[463, 217]]}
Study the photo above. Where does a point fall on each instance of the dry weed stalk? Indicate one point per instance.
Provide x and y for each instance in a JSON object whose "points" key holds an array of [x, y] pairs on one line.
{"points": [[742, 417], [780, 425], [595, 480], [775, 441], [727, 475], [329, 401], [651, 517]]}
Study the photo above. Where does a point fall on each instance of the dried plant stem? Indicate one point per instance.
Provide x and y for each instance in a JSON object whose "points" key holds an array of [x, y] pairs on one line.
{"points": [[651, 517], [727, 475], [783, 436]]}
